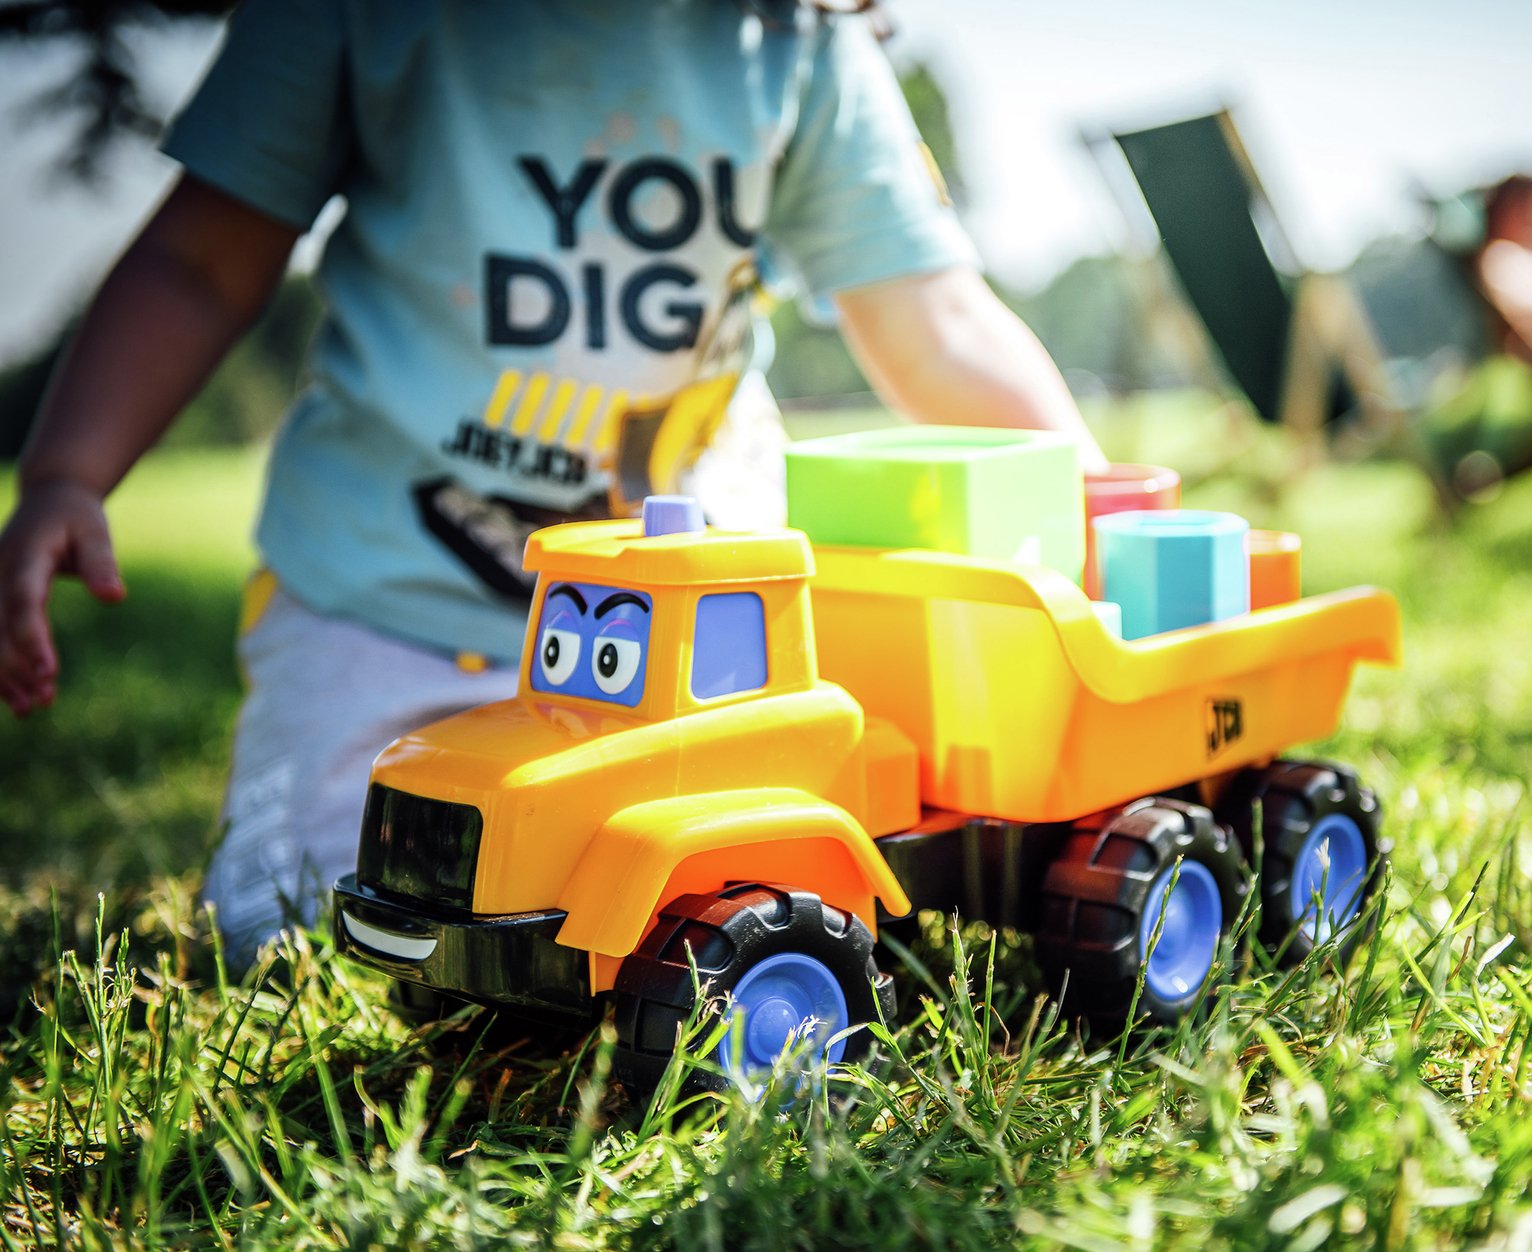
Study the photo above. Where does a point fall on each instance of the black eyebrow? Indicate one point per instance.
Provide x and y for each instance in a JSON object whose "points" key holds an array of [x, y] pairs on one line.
{"points": [[621, 597], [564, 589]]}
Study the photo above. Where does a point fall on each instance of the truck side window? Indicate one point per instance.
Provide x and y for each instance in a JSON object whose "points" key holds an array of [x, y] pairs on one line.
{"points": [[729, 652]]}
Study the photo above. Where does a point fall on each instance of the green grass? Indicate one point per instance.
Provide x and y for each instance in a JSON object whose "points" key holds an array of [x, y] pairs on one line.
{"points": [[118, 785], [150, 1101]]}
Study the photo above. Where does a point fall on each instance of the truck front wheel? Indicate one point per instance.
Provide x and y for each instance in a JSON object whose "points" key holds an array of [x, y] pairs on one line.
{"points": [[789, 964], [1153, 888]]}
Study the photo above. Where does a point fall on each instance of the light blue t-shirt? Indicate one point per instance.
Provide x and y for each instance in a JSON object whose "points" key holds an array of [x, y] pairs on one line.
{"points": [[540, 294]]}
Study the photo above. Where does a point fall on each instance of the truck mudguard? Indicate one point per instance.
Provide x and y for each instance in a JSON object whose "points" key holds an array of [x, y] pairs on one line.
{"points": [[651, 852]]}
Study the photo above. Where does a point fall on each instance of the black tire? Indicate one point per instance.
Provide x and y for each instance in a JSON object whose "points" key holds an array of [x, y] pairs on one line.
{"points": [[729, 934], [1097, 891], [1294, 797]]}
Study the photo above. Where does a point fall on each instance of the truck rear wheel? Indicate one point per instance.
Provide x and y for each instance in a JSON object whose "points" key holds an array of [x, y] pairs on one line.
{"points": [[783, 958], [1114, 884], [1319, 862]]}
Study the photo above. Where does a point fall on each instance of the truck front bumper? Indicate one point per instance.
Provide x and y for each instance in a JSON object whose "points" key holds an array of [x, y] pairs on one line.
{"points": [[494, 959]]}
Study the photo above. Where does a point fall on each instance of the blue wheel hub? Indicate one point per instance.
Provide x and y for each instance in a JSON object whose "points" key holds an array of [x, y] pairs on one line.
{"points": [[772, 1004], [1188, 940], [1328, 876]]}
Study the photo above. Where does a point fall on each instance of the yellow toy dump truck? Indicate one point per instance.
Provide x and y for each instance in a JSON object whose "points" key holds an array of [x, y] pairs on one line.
{"points": [[739, 752]]}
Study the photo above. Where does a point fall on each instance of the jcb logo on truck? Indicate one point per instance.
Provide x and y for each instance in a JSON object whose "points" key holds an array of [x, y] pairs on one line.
{"points": [[1225, 723]]}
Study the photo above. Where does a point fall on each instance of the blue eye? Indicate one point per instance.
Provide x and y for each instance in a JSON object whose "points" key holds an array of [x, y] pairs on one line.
{"points": [[615, 662]]}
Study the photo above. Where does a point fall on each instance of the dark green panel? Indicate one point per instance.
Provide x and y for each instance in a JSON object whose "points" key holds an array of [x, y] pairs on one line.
{"points": [[1201, 201]]}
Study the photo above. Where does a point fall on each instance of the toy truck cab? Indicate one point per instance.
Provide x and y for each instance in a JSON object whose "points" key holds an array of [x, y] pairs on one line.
{"points": [[671, 737]]}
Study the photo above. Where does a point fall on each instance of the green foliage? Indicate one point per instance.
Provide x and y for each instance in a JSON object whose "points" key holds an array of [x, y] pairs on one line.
{"points": [[149, 1100], [811, 360], [1107, 317]]}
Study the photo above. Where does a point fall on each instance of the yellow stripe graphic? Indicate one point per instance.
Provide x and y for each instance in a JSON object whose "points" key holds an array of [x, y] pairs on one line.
{"points": [[531, 401], [590, 401], [260, 587], [557, 407], [606, 434], [505, 389]]}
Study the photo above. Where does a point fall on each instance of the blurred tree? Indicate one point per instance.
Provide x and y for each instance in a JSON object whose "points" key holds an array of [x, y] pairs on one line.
{"points": [[105, 94], [1420, 299], [1097, 317]]}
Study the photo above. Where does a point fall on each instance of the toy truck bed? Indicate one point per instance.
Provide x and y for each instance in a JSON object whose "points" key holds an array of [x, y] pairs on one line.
{"points": [[1023, 706]]}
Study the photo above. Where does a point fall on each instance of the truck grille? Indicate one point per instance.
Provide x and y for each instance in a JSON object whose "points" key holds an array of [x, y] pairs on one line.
{"points": [[412, 846]]}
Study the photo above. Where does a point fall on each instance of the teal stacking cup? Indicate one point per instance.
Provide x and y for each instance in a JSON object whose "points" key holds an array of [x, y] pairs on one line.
{"points": [[1170, 568]]}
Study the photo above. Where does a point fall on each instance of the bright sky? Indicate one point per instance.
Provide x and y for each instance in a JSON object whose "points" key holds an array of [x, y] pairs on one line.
{"points": [[1343, 104]]}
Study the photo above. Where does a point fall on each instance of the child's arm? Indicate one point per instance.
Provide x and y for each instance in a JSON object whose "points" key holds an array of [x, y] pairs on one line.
{"points": [[941, 347], [194, 280]]}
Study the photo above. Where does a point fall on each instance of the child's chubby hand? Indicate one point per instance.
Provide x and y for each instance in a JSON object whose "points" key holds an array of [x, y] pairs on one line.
{"points": [[58, 528]]}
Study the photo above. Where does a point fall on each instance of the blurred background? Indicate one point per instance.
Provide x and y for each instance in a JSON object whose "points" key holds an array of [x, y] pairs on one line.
{"points": [[1364, 139]]}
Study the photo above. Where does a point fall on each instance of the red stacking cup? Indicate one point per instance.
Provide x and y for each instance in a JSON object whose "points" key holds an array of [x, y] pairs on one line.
{"points": [[1122, 489]]}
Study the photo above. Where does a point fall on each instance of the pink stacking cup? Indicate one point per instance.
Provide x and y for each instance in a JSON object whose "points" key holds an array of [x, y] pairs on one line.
{"points": [[1122, 489]]}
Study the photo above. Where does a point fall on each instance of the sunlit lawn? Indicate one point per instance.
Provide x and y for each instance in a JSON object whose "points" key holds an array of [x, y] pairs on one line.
{"points": [[165, 1107]]}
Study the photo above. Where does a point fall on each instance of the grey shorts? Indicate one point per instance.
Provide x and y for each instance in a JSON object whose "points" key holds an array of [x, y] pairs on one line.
{"points": [[325, 696]]}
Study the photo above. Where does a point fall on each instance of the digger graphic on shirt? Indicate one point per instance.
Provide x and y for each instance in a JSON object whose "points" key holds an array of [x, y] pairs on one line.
{"points": [[560, 430]]}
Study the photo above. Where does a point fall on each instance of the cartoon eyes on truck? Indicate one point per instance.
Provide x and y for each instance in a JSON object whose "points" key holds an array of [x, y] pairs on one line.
{"points": [[593, 641]]}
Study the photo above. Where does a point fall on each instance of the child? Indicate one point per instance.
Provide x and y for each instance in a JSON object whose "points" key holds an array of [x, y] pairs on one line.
{"points": [[538, 307]]}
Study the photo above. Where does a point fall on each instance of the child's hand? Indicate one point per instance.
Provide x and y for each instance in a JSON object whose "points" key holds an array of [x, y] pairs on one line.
{"points": [[58, 528]]}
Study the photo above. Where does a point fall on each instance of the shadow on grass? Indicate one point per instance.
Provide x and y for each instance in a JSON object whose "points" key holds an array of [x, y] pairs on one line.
{"points": [[118, 783]]}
